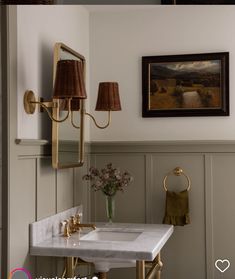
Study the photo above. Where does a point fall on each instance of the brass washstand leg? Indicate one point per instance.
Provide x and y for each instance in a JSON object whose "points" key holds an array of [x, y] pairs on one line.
{"points": [[102, 275], [70, 267], [160, 265], [140, 270]]}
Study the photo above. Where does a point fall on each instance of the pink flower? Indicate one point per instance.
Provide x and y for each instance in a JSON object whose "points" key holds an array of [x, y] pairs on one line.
{"points": [[109, 180]]}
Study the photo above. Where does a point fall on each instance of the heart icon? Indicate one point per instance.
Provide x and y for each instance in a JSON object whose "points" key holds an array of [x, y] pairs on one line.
{"points": [[222, 265]]}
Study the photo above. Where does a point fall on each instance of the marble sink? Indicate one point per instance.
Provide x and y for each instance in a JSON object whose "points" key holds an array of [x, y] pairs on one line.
{"points": [[110, 235], [109, 246]]}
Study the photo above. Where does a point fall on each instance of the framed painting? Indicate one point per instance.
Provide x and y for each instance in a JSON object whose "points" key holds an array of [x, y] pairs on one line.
{"points": [[198, 2], [185, 85]]}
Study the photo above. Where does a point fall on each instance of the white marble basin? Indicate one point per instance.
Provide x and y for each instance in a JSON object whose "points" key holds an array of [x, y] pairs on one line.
{"points": [[111, 235]]}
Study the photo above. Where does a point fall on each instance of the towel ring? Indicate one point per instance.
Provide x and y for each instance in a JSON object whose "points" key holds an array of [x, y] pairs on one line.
{"points": [[177, 171]]}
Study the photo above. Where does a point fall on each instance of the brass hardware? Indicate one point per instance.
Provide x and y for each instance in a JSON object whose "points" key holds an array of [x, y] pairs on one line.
{"points": [[102, 275], [177, 171], [155, 268], [140, 269], [55, 112], [79, 226], [70, 267], [72, 122], [96, 124], [78, 218], [29, 102], [160, 264], [63, 274], [74, 224], [41, 100], [67, 232], [30, 106]]}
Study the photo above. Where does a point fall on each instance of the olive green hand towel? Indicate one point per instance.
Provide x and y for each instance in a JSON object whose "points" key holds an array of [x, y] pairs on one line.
{"points": [[177, 208]]}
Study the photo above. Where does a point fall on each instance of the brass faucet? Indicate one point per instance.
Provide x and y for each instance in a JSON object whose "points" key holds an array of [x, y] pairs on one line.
{"points": [[65, 225], [79, 226], [74, 224]]}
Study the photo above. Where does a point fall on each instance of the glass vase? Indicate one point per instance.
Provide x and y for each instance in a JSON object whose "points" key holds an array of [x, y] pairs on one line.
{"points": [[110, 207]]}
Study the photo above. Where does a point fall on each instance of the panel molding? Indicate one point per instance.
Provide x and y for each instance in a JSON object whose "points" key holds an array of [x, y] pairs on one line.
{"points": [[34, 142], [149, 188], [37, 148], [209, 146], [209, 216]]}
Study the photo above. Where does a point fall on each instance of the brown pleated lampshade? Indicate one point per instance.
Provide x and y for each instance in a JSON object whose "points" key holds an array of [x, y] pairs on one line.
{"points": [[75, 105], [69, 80], [108, 97]]}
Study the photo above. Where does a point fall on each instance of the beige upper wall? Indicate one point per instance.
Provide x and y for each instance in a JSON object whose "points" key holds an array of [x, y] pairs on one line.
{"points": [[38, 29], [118, 40]]}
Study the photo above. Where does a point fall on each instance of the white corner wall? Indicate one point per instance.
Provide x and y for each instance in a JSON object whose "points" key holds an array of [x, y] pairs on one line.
{"points": [[118, 41], [38, 29]]}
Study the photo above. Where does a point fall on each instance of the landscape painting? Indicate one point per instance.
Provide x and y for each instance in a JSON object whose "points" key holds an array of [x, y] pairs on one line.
{"points": [[185, 85]]}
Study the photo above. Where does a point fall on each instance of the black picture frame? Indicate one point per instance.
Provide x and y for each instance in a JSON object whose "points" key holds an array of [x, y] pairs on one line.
{"points": [[198, 2], [185, 85]]}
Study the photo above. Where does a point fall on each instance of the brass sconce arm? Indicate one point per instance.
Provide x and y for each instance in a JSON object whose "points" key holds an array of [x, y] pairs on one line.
{"points": [[72, 122], [30, 106], [50, 115], [96, 124]]}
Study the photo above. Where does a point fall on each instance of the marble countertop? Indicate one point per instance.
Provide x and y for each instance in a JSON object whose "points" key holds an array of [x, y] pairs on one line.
{"points": [[146, 246]]}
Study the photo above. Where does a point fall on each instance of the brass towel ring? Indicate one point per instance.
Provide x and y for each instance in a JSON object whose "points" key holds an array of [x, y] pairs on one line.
{"points": [[177, 171]]}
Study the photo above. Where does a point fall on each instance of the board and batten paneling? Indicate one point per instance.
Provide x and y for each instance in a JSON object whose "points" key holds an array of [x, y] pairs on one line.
{"points": [[65, 191], [135, 164], [193, 249], [188, 238], [223, 209], [38, 191], [22, 212], [81, 189], [46, 206], [46, 188]]}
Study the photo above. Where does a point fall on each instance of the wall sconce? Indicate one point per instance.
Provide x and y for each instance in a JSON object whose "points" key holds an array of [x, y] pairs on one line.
{"points": [[69, 95], [69, 87], [108, 100]]}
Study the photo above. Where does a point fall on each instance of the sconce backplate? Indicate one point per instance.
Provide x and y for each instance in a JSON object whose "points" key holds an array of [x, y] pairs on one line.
{"points": [[29, 102]]}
